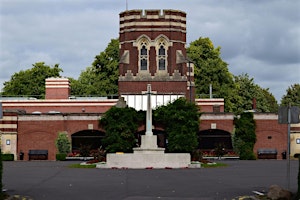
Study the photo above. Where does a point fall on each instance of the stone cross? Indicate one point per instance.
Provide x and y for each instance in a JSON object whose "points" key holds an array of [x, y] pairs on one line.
{"points": [[149, 112]]}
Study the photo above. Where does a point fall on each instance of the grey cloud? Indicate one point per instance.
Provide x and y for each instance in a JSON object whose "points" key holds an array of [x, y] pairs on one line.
{"points": [[260, 38]]}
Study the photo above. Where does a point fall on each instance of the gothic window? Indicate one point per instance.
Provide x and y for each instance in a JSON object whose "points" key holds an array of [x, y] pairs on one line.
{"points": [[143, 56], [161, 55]]}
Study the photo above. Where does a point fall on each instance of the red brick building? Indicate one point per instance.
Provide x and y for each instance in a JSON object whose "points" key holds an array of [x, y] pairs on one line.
{"points": [[152, 50]]}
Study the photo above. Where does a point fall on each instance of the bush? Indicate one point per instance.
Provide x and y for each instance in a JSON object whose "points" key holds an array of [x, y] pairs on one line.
{"points": [[8, 157], [62, 143], [61, 156]]}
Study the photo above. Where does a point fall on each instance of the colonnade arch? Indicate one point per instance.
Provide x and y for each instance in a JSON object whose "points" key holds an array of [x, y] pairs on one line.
{"points": [[91, 138], [210, 138]]}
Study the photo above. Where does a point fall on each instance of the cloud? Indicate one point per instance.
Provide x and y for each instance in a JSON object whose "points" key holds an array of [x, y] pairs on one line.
{"points": [[261, 38]]}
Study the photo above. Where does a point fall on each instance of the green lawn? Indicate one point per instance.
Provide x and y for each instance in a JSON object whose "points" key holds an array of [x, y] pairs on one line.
{"points": [[82, 166], [207, 165]]}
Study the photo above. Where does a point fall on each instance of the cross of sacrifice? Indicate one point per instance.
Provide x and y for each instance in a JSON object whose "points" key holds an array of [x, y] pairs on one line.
{"points": [[149, 111]]}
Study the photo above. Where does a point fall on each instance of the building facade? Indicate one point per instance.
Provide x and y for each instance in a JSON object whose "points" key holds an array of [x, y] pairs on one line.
{"points": [[152, 51]]}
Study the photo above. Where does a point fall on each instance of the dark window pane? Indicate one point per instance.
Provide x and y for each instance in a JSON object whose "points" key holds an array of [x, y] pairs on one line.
{"points": [[143, 64], [143, 51], [161, 51], [162, 64]]}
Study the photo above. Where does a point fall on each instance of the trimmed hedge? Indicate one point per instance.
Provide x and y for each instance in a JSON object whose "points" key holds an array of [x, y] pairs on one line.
{"points": [[8, 157], [61, 156]]}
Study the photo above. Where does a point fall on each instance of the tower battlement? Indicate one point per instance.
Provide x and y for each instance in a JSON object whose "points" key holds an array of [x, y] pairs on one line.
{"points": [[161, 19], [152, 14]]}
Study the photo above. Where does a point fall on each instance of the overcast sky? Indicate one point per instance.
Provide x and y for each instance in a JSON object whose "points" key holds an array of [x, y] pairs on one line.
{"points": [[257, 37]]}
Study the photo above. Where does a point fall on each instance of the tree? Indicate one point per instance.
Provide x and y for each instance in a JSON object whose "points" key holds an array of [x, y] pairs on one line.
{"points": [[245, 137], [31, 82], [120, 125], [248, 91], [180, 120], [292, 96], [211, 69], [101, 78], [62, 143]]}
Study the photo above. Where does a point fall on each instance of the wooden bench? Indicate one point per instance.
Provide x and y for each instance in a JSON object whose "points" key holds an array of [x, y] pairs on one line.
{"points": [[38, 154], [267, 154]]}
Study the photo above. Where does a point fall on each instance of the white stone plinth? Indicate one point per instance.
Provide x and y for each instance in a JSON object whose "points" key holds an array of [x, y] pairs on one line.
{"points": [[148, 141], [147, 160]]}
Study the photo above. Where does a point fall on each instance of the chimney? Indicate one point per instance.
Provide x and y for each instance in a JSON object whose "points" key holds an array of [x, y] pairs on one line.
{"points": [[57, 88]]}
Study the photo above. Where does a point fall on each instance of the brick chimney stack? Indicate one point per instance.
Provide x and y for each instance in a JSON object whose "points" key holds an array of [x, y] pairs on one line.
{"points": [[57, 88]]}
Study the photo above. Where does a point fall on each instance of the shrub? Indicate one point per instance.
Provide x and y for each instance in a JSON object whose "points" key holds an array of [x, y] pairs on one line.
{"points": [[180, 119], [8, 157], [62, 143], [85, 150], [120, 125], [245, 136], [61, 156]]}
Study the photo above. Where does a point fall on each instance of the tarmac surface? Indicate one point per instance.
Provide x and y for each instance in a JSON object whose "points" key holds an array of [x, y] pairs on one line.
{"points": [[51, 180]]}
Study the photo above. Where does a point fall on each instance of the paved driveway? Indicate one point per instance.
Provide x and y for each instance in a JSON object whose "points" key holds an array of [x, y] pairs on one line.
{"points": [[49, 180]]}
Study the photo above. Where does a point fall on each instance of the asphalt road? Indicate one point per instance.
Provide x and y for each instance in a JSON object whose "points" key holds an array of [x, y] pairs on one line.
{"points": [[50, 180]]}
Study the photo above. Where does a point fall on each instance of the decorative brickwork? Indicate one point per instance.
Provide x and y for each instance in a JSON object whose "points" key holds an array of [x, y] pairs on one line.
{"points": [[152, 50]]}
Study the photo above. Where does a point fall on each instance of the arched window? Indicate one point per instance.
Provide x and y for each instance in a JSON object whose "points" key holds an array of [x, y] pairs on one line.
{"points": [[161, 53], [144, 57], [162, 58]]}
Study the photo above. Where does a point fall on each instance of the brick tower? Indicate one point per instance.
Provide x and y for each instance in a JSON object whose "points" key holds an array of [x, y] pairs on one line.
{"points": [[152, 51]]}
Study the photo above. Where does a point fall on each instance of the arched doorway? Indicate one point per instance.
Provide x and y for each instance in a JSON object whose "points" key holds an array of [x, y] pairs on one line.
{"points": [[211, 138], [90, 138]]}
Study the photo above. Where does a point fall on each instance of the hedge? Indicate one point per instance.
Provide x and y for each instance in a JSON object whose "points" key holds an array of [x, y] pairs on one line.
{"points": [[8, 157]]}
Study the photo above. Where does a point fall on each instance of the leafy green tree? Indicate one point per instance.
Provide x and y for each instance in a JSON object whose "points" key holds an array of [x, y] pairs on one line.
{"points": [[292, 96], [120, 125], [62, 143], [31, 82], [245, 137], [100, 79], [211, 69], [248, 90], [181, 122]]}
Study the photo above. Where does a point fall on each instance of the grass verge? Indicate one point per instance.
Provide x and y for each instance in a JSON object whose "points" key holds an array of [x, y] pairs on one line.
{"points": [[211, 165], [82, 166]]}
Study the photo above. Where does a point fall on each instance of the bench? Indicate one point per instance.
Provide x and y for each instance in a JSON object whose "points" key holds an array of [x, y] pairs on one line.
{"points": [[267, 154], [38, 154]]}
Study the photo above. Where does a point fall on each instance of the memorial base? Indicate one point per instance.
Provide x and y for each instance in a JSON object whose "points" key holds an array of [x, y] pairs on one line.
{"points": [[147, 156], [147, 160]]}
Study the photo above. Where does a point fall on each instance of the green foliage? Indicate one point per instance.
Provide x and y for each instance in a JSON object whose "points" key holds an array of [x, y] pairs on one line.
{"points": [[212, 165], [292, 96], [85, 150], [238, 92], [61, 156], [82, 166], [100, 79], [120, 125], [211, 69], [8, 157], [62, 143], [30, 82], [248, 90], [181, 122], [245, 136]]}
